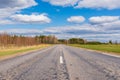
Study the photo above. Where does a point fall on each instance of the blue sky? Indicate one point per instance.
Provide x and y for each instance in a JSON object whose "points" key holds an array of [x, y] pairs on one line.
{"points": [[91, 20]]}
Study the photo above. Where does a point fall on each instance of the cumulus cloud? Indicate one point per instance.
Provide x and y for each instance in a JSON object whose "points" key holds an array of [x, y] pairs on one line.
{"points": [[34, 18], [76, 19], [104, 19], [62, 2], [21, 31], [16, 4], [111, 26], [5, 21], [10, 7], [106, 4]]}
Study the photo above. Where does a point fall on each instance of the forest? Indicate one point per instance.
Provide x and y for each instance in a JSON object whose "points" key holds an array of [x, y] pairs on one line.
{"points": [[19, 40]]}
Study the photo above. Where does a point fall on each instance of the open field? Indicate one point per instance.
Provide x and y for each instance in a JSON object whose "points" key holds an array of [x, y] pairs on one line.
{"points": [[105, 48], [15, 50]]}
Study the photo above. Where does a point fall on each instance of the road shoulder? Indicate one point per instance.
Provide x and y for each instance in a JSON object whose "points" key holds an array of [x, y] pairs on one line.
{"points": [[102, 52]]}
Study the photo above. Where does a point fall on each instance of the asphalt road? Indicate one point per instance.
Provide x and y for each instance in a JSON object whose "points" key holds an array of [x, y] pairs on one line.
{"points": [[61, 62]]}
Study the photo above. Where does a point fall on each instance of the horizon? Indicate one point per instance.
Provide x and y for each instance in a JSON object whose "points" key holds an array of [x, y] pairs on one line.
{"points": [[90, 20]]}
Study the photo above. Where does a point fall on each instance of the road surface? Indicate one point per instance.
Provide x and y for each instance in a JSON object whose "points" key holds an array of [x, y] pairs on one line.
{"points": [[61, 62]]}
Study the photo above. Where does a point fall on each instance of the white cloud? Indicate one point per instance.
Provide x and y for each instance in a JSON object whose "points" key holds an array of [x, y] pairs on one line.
{"points": [[16, 4], [104, 19], [6, 21], [106, 4], [62, 2], [112, 26], [34, 18], [11, 7], [76, 19], [8, 7], [106, 22], [21, 31]]}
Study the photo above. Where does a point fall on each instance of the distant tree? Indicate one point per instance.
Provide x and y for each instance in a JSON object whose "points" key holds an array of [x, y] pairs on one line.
{"points": [[63, 41], [110, 42], [76, 41]]}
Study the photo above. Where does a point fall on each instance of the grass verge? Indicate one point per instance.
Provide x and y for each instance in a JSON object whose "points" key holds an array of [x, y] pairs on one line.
{"points": [[16, 50], [114, 49]]}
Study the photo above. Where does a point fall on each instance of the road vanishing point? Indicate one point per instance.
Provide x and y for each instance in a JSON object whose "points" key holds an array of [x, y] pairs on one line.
{"points": [[61, 62]]}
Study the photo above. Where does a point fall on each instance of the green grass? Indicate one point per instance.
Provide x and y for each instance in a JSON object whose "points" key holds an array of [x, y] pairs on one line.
{"points": [[103, 47], [15, 50]]}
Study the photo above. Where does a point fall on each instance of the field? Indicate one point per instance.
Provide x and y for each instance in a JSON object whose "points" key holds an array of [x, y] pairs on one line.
{"points": [[16, 50], [103, 47]]}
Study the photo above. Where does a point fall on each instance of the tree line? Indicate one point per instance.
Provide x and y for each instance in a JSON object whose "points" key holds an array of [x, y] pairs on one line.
{"points": [[83, 41], [8, 40], [72, 41], [19, 40]]}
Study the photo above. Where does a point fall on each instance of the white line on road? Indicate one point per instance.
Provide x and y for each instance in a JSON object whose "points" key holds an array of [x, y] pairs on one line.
{"points": [[61, 60]]}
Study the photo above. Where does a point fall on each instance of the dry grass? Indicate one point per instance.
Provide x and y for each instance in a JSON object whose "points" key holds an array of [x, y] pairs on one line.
{"points": [[14, 50]]}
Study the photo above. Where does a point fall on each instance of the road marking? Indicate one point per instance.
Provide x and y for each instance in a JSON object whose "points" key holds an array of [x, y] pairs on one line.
{"points": [[61, 60]]}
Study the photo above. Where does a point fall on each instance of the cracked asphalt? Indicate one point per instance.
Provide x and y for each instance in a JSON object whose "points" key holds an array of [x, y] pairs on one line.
{"points": [[74, 64]]}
